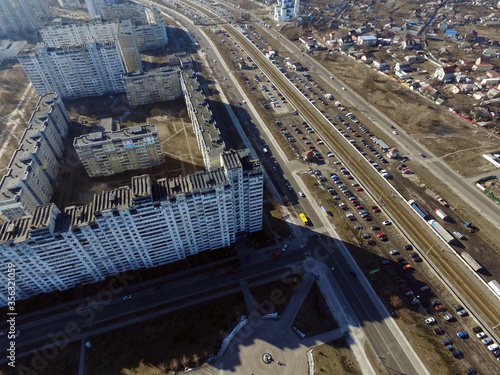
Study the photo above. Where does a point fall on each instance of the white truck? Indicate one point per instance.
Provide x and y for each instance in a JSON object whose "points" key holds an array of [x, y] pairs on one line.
{"points": [[442, 201], [328, 95], [441, 214]]}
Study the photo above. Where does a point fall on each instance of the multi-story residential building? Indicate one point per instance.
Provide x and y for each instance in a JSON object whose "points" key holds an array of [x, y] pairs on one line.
{"points": [[142, 226], [210, 142], [9, 50], [286, 10], [32, 172], [61, 33], [154, 86], [111, 152], [128, 49], [95, 6], [145, 25], [70, 4], [90, 69], [22, 15]]}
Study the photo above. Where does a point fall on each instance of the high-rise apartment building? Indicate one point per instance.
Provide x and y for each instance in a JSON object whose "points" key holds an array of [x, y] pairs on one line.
{"points": [[286, 10], [90, 69], [153, 86], [145, 24], [210, 142], [62, 33], [22, 15], [142, 226], [94, 6], [70, 4], [111, 152], [31, 174]]}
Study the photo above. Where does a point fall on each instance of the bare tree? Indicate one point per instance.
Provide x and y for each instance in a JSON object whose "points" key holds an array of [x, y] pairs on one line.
{"points": [[185, 361], [196, 359], [174, 365], [163, 367]]}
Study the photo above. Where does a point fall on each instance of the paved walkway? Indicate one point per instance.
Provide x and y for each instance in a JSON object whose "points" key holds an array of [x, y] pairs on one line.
{"points": [[275, 336]]}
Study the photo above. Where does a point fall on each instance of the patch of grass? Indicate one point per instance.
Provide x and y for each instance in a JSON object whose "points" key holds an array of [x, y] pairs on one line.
{"points": [[192, 333], [314, 316], [274, 296], [336, 358]]}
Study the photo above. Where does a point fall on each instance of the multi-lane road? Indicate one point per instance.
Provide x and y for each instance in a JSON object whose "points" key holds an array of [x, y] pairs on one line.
{"points": [[480, 299]]}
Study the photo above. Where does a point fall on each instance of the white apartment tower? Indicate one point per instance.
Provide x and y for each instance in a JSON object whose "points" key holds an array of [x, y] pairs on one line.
{"points": [[210, 141], [112, 152], [94, 6], [70, 4], [22, 15], [61, 33], [142, 226], [286, 10], [153, 86], [32, 171], [145, 24], [90, 69]]}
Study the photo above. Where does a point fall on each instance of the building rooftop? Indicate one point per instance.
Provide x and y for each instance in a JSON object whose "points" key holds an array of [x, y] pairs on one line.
{"points": [[208, 127], [119, 135], [28, 145]]}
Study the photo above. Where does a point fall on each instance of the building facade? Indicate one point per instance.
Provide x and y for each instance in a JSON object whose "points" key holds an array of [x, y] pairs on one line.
{"points": [[90, 69], [70, 4], [145, 225], [94, 7], [286, 10], [109, 153], [145, 24], [62, 33], [154, 86], [32, 171], [21, 15], [210, 142]]}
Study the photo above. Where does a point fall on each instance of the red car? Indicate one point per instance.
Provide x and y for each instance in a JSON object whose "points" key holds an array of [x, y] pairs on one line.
{"points": [[303, 137], [357, 135], [276, 254], [359, 207], [359, 189], [230, 271], [375, 209], [368, 218]]}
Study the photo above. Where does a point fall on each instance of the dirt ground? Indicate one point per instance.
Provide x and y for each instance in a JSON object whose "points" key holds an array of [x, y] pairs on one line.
{"points": [[335, 358], [314, 316], [493, 186], [176, 135]]}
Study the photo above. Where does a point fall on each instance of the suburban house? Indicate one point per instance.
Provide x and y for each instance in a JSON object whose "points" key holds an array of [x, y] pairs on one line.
{"points": [[445, 73], [367, 57], [405, 66], [366, 40], [430, 92], [379, 64]]}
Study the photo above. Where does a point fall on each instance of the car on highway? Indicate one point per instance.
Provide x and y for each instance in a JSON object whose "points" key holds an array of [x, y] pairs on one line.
{"points": [[285, 246], [353, 274], [301, 194], [422, 155]]}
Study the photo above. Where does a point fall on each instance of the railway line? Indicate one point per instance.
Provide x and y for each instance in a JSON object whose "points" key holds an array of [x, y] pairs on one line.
{"points": [[485, 306]]}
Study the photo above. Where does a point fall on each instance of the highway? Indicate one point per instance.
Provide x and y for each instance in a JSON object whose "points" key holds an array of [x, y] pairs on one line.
{"points": [[480, 299]]}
